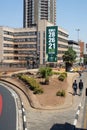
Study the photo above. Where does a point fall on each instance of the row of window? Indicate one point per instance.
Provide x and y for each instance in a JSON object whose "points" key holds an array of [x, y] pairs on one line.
{"points": [[20, 33], [14, 58], [17, 58], [23, 58], [25, 52], [20, 39], [62, 40], [63, 46], [62, 34]]}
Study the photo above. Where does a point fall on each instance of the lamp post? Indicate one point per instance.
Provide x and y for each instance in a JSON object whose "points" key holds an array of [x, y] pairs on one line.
{"points": [[78, 41], [78, 34]]}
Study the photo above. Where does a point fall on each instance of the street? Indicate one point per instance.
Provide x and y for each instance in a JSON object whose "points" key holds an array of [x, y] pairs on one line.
{"points": [[7, 110]]}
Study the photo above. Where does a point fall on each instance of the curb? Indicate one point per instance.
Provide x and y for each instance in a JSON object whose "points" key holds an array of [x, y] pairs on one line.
{"points": [[24, 117], [23, 110], [77, 114]]}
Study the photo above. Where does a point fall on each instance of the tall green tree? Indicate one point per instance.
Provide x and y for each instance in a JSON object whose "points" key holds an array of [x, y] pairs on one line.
{"points": [[69, 58]]}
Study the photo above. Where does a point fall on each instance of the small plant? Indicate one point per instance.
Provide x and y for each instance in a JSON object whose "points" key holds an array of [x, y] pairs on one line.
{"points": [[38, 91], [61, 93], [64, 73], [45, 71], [61, 77]]}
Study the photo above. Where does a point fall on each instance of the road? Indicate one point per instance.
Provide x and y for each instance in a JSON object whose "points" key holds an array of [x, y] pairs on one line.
{"points": [[7, 110]]}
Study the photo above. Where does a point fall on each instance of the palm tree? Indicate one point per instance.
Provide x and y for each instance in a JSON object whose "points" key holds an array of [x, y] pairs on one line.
{"points": [[45, 72]]}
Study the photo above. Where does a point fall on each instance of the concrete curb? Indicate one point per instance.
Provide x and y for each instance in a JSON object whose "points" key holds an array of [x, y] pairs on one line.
{"points": [[77, 114]]}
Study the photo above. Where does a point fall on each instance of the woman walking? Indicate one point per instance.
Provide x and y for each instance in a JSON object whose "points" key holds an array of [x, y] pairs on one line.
{"points": [[75, 87], [80, 87]]}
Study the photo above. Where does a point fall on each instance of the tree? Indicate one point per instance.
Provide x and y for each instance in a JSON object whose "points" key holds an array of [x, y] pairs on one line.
{"points": [[45, 72], [69, 58]]}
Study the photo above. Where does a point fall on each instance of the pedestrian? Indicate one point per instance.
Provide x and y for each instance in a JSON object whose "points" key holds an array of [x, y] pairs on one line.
{"points": [[80, 87], [74, 86]]}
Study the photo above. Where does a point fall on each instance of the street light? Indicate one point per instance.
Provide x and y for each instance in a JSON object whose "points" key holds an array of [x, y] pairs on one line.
{"points": [[78, 34], [78, 41]]}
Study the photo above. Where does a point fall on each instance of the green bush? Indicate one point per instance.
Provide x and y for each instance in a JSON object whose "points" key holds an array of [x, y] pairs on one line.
{"points": [[61, 93], [64, 73], [45, 71], [33, 85], [38, 91], [61, 77], [56, 73]]}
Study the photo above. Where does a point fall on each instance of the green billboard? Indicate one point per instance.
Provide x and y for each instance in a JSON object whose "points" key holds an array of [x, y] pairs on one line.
{"points": [[51, 43]]}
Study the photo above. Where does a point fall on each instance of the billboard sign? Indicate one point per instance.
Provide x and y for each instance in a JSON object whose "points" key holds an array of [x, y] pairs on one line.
{"points": [[51, 43]]}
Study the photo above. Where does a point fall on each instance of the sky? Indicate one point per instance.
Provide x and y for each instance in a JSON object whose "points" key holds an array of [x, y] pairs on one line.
{"points": [[71, 15]]}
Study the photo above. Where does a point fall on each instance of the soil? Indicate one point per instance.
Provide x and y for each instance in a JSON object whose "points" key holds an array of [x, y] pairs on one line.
{"points": [[49, 98]]}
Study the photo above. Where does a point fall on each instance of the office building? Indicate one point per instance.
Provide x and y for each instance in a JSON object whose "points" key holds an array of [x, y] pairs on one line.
{"points": [[22, 46], [35, 10]]}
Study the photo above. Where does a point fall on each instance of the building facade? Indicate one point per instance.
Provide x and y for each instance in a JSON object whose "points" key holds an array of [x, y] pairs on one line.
{"points": [[35, 10], [27, 46]]}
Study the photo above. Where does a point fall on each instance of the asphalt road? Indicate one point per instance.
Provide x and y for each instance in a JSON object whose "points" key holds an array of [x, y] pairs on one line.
{"points": [[7, 110]]}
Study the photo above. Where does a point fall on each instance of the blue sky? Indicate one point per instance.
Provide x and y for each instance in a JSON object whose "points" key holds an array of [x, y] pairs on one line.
{"points": [[71, 15]]}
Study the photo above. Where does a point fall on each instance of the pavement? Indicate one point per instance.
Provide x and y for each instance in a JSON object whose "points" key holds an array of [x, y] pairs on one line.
{"points": [[51, 118]]}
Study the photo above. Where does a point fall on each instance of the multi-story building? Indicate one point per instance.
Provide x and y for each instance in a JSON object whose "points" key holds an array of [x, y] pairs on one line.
{"points": [[35, 10], [85, 54], [62, 43], [81, 48], [21, 46]]}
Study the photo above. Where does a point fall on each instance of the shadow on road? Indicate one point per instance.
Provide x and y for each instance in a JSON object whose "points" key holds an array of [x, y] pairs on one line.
{"points": [[65, 126]]}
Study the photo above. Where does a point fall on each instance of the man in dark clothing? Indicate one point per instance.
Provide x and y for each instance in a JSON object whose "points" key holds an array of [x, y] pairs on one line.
{"points": [[80, 87], [75, 87]]}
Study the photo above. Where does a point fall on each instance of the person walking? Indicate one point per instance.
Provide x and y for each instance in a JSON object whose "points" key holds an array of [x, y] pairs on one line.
{"points": [[80, 87], [75, 87]]}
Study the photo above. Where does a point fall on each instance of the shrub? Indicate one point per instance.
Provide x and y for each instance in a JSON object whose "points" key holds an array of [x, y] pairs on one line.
{"points": [[19, 75], [61, 77], [61, 93], [38, 91], [64, 73], [45, 71], [33, 85]]}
